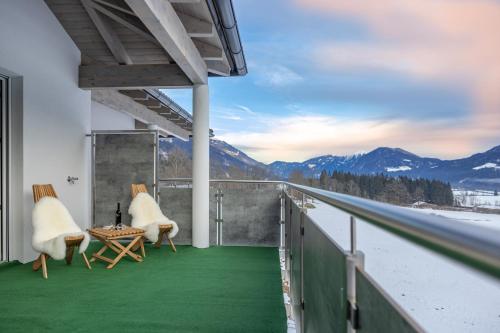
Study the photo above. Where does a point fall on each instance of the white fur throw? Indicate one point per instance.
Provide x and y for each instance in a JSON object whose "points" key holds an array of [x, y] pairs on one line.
{"points": [[147, 215], [51, 223]]}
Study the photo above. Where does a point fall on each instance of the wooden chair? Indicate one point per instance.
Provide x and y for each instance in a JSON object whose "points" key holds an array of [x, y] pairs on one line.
{"points": [[40, 191], [164, 228]]}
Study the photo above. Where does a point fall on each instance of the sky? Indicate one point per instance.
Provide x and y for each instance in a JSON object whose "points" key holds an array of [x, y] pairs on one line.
{"points": [[346, 76]]}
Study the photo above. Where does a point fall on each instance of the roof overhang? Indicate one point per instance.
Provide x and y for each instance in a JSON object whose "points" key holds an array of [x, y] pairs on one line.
{"points": [[138, 46]]}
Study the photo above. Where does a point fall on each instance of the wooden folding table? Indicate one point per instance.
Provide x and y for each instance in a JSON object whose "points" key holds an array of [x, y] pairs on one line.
{"points": [[110, 239]]}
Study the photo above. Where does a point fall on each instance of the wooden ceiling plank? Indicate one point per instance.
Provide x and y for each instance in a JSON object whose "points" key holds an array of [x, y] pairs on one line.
{"points": [[218, 68], [208, 52], [118, 5], [196, 27], [107, 33]]}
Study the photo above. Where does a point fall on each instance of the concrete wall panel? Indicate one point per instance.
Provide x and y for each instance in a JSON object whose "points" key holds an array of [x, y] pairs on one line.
{"points": [[121, 160]]}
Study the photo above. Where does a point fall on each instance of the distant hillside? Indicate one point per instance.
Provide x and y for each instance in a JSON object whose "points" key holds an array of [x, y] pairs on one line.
{"points": [[480, 170], [225, 160]]}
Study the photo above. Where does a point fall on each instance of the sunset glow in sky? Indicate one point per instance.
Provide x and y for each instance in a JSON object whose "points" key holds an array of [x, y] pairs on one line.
{"points": [[343, 76]]}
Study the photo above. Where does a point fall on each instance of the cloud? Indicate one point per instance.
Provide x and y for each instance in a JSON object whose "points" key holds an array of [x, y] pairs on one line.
{"points": [[299, 137], [450, 42], [246, 109], [235, 113], [277, 76]]}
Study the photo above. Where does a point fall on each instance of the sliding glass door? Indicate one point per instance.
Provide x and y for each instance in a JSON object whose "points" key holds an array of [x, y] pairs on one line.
{"points": [[4, 232]]}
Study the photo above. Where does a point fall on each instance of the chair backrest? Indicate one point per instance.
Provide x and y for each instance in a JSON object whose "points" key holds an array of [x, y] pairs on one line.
{"points": [[45, 190], [138, 188]]}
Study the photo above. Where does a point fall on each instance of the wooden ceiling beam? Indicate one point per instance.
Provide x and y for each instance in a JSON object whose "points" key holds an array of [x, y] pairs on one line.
{"points": [[97, 76], [162, 21], [122, 103], [128, 21]]}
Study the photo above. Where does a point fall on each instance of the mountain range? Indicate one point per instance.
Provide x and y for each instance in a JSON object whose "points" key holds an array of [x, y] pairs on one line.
{"points": [[479, 171]]}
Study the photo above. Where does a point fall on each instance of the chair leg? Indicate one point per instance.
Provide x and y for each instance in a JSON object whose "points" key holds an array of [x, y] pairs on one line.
{"points": [[86, 260], [160, 239], [172, 244], [44, 265], [37, 263], [69, 254], [143, 251]]}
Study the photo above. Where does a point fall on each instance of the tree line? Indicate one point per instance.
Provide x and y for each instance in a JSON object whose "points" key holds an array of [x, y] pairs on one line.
{"points": [[397, 190]]}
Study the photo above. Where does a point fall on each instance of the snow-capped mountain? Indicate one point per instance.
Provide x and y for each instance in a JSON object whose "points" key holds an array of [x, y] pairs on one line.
{"points": [[477, 171]]}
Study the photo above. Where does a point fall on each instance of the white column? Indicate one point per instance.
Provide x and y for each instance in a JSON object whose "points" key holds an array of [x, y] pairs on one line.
{"points": [[201, 166]]}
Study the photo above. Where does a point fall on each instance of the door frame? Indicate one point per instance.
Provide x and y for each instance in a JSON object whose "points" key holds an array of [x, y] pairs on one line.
{"points": [[5, 109]]}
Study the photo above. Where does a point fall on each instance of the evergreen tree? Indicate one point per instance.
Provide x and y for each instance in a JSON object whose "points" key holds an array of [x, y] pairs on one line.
{"points": [[401, 190], [297, 177], [323, 180], [495, 193]]}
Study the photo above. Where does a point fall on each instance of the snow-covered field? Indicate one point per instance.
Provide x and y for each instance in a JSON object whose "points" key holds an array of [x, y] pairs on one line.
{"points": [[477, 198], [483, 220], [443, 296]]}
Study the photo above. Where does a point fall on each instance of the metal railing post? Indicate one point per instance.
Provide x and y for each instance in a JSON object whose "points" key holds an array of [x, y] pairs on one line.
{"points": [[221, 216], [302, 304], [218, 218], [282, 217], [354, 260]]}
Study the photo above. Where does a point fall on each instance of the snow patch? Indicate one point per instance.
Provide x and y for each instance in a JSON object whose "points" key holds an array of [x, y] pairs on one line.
{"points": [[232, 153], [487, 166], [399, 168], [311, 166]]}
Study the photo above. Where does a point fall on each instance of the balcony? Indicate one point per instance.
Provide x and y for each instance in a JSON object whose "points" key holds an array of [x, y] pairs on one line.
{"points": [[236, 284], [220, 289]]}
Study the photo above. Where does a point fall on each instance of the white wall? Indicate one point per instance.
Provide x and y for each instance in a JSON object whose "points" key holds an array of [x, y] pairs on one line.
{"points": [[105, 118], [56, 113]]}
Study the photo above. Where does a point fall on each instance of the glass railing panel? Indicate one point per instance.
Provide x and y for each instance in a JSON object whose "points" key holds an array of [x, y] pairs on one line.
{"points": [[288, 238], [295, 261], [439, 294], [324, 281], [378, 312], [250, 214], [176, 204]]}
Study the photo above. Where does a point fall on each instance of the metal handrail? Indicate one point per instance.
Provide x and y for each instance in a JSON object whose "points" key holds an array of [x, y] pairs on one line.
{"points": [[473, 246], [236, 181]]}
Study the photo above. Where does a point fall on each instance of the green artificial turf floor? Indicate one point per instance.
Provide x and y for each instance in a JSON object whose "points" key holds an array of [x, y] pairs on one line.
{"points": [[220, 289]]}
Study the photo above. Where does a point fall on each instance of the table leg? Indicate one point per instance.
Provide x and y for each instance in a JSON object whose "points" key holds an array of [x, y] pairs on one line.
{"points": [[125, 251], [143, 251], [121, 248], [100, 252]]}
